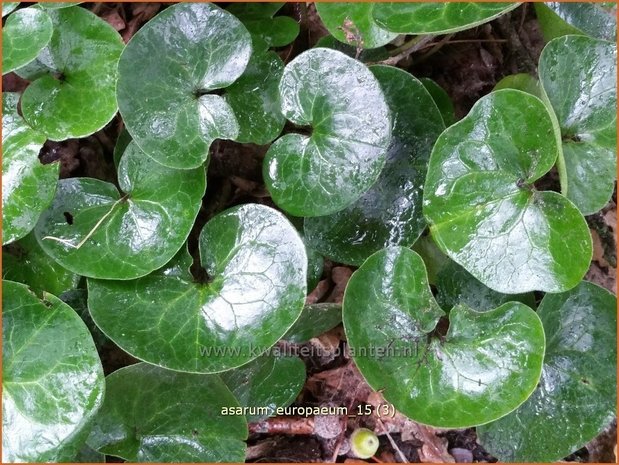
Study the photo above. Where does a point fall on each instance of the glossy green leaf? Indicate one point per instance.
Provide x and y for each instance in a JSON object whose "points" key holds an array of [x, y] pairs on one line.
{"points": [[455, 286], [7, 7], [25, 33], [265, 384], [561, 18], [579, 77], [353, 24], [156, 415], [484, 210], [254, 99], [576, 397], [27, 185], [389, 213], [124, 138], [436, 18], [52, 383], [88, 455], [95, 230], [341, 101], [77, 299], [521, 81], [442, 100], [315, 320], [364, 56], [266, 29], [56, 5], [75, 96], [433, 258], [253, 292], [25, 262], [485, 366], [167, 77]]}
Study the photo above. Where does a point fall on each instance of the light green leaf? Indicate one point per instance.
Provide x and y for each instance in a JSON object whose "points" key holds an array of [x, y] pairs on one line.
{"points": [[265, 384], [7, 7], [315, 320], [577, 395], [52, 382], [167, 77], [254, 289], [341, 101], [95, 230], [364, 56], [266, 29], [436, 18], [27, 185], [483, 367], [442, 100], [593, 19], [75, 96], [579, 77], [25, 33], [434, 260], [389, 213], [521, 81], [156, 415], [353, 24], [484, 210]]}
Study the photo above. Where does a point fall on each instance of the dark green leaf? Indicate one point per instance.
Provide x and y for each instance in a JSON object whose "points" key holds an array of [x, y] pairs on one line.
{"points": [[485, 211], [25, 33], [576, 397], [254, 291], [52, 382], [434, 260], [442, 100], [94, 230], [266, 29], [315, 320], [485, 366], [77, 299], [593, 19], [342, 102], [56, 5], [121, 145], [76, 95], [156, 415], [88, 455], [167, 77], [389, 213]]}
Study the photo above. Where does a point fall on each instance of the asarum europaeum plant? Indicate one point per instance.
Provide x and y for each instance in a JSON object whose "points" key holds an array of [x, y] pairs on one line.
{"points": [[364, 163]]}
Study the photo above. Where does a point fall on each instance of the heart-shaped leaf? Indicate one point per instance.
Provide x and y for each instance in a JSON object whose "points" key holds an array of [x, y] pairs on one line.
{"points": [[442, 100], [484, 210], [94, 230], [579, 77], [561, 18], [25, 262], [24, 35], [485, 366], [156, 415], [76, 95], [167, 75], [389, 213], [265, 384], [28, 186], [52, 383], [254, 289], [436, 18], [353, 24], [315, 320], [7, 7], [576, 397], [342, 103]]}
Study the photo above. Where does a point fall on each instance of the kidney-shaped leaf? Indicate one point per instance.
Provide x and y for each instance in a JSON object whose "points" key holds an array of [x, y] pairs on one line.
{"points": [[561, 18], [436, 18], [254, 291], [76, 94], [52, 383], [577, 395], [156, 415], [579, 77], [94, 230], [485, 366], [389, 213], [484, 209], [25, 33], [167, 75], [28, 186], [343, 104]]}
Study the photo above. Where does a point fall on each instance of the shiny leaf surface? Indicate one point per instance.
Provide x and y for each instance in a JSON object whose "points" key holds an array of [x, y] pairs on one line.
{"points": [[52, 382], [25, 33], [76, 95], [593, 19], [266, 29], [484, 210], [94, 230], [364, 56], [389, 213], [521, 81], [579, 76], [576, 397], [7, 7], [485, 366], [156, 415], [266, 383], [167, 77], [254, 291], [342, 102], [56, 5], [436, 18], [27, 185], [77, 299], [315, 320]]}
